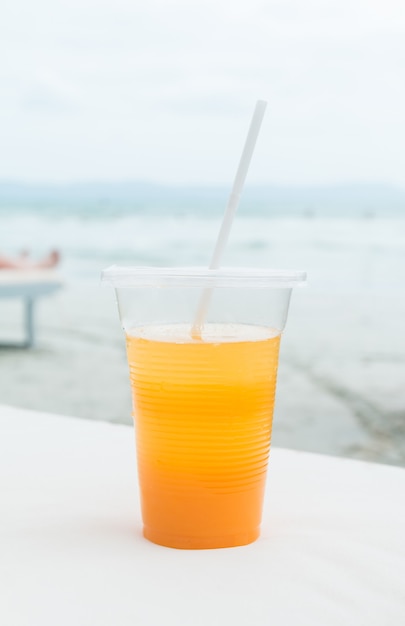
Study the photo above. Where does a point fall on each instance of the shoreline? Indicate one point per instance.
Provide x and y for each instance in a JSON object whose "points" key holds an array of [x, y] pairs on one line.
{"points": [[338, 393]]}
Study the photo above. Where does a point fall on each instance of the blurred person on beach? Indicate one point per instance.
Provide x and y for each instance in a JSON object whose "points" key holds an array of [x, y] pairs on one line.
{"points": [[24, 262]]}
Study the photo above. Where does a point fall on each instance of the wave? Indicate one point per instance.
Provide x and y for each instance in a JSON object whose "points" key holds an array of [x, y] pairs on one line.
{"points": [[108, 201], [335, 252]]}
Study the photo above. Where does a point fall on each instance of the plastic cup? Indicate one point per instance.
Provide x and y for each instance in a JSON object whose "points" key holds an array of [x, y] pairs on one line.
{"points": [[203, 407]]}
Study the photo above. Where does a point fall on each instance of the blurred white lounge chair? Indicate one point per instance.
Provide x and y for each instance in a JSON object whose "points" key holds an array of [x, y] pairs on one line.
{"points": [[28, 285]]}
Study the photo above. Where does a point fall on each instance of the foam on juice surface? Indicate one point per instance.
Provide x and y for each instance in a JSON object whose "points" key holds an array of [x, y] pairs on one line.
{"points": [[211, 333]]}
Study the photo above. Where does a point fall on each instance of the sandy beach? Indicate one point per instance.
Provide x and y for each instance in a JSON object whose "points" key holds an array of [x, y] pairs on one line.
{"points": [[340, 386]]}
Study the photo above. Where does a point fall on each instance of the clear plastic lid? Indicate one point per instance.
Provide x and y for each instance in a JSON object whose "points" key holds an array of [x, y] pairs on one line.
{"points": [[202, 277]]}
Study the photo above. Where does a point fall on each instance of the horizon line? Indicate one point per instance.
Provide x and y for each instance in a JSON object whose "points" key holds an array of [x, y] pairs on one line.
{"points": [[211, 185]]}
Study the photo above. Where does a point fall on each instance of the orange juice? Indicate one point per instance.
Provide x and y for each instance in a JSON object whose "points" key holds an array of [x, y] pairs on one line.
{"points": [[203, 415]]}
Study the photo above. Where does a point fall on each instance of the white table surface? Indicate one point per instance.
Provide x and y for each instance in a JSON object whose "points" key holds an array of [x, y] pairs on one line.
{"points": [[332, 550]]}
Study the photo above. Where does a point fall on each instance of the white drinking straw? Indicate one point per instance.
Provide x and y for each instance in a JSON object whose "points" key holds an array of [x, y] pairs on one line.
{"points": [[230, 211]]}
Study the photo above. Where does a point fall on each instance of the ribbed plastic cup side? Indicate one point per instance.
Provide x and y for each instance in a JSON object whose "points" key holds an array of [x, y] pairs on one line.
{"points": [[203, 415]]}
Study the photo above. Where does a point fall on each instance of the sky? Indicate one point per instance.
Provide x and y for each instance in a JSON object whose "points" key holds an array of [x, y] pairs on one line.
{"points": [[163, 91]]}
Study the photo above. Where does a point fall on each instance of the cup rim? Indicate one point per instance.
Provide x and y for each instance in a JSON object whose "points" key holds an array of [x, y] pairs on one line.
{"points": [[202, 277]]}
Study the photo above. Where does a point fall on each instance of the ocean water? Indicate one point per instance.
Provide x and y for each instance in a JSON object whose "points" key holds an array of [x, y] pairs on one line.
{"points": [[340, 253], [341, 380]]}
